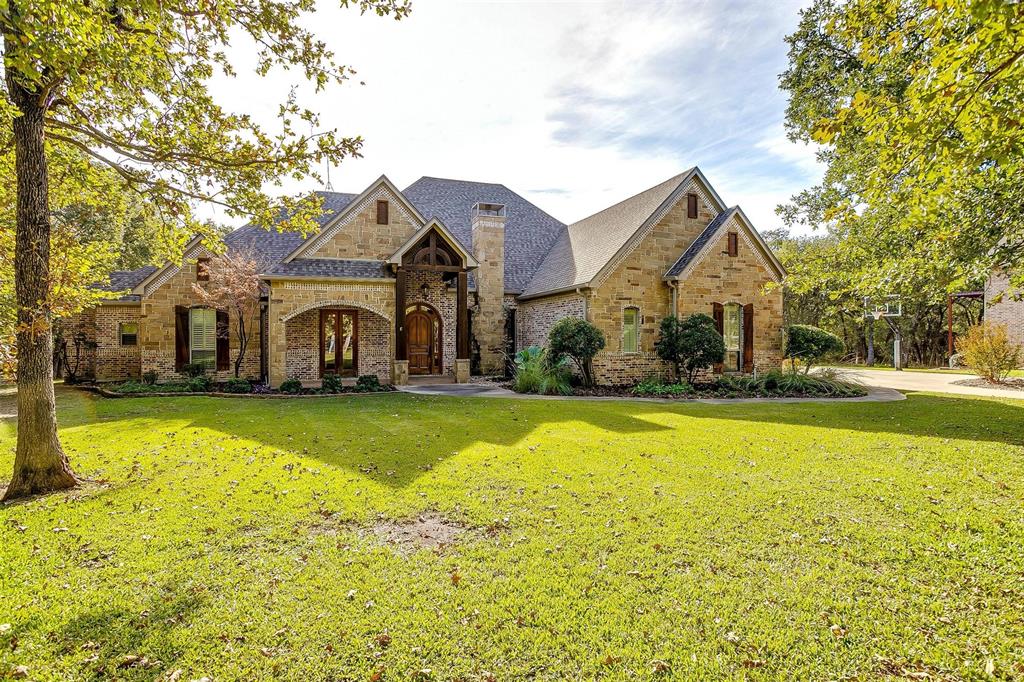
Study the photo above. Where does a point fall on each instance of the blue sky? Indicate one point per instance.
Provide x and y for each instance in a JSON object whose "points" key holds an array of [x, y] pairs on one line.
{"points": [[575, 105]]}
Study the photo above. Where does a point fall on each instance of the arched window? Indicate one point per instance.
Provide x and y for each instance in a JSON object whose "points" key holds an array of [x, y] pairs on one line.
{"points": [[630, 330]]}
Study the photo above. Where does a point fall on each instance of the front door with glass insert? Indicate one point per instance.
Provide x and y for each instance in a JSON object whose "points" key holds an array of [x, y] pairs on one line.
{"points": [[338, 342]]}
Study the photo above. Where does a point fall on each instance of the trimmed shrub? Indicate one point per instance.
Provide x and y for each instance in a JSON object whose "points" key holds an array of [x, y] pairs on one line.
{"points": [[193, 369], [536, 373], [292, 386], [199, 384], [810, 344], [237, 386], [368, 383], [331, 383], [691, 344], [578, 340], [654, 387], [988, 351], [150, 377]]}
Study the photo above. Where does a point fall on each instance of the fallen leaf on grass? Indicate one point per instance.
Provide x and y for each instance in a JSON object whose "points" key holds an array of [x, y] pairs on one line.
{"points": [[753, 663], [660, 667]]}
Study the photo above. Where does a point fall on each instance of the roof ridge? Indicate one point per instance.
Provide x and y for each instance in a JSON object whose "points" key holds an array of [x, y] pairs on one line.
{"points": [[468, 182], [679, 177]]}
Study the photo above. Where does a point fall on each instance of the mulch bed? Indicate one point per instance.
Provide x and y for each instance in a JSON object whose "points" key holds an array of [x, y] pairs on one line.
{"points": [[106, 393], [700, 391], [1007, 384]]}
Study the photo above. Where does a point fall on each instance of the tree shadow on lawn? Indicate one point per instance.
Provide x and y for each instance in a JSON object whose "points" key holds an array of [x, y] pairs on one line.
{"points": [[392, 439]]}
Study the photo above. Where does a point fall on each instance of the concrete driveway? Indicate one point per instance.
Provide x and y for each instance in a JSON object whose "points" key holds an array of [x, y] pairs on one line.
{"points": [[931, 382]]}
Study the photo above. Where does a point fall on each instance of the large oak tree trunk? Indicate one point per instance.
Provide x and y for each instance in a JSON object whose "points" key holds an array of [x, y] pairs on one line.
{"points": [[40, 464]]}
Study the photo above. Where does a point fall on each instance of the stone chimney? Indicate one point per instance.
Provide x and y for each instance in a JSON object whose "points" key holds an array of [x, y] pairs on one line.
{"points": [[488, 222]]}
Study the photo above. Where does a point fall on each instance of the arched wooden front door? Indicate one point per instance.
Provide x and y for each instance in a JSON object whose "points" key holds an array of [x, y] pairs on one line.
{"points": [[423, 340]]}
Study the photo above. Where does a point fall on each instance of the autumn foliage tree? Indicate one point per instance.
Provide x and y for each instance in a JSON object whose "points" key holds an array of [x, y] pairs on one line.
{"points": [[234, 285], [128, 85]]}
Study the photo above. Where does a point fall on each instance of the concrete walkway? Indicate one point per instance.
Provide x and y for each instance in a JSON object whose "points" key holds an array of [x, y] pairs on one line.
{"points": [[875, 395], [930, 382]]}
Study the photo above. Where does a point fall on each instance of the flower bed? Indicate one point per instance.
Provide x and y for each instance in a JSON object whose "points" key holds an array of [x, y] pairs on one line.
{"points": [[239, 388]]}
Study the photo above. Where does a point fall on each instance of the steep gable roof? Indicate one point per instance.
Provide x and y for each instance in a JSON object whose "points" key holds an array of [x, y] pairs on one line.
{"points": [[587, 248], [529, 231], [697, 249]]}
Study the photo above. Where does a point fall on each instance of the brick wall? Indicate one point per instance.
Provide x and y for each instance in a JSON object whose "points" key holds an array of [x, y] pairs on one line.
{"points": [[444, 300], [114, 361], [83, 323], [535, 317], [1006, 310], [293, 319]]}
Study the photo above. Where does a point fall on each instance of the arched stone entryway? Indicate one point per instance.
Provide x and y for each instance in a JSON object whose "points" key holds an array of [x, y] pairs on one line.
{"points": [[357, 332]]}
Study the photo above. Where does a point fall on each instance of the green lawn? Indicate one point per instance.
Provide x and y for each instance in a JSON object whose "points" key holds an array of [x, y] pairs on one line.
{"points": [[799, 541]]}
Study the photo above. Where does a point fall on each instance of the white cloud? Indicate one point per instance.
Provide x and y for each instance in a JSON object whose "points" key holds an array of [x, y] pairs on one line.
{"points": [[575, 105]]}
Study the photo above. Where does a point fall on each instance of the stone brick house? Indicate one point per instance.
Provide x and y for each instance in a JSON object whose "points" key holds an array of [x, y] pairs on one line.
{"points": [[1005, 305], [445, 277]]}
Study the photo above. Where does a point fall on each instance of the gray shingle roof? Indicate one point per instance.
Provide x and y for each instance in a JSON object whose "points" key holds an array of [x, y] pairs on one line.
{"points": [[332, 267], [585, 247], [125, 280], [273, 245], [529, 231], [702, 239]]}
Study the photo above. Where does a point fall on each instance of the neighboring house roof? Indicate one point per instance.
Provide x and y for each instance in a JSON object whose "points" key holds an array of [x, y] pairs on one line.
{"points": [[319, 268], [529, 231], [695, 251], [586, 248]]}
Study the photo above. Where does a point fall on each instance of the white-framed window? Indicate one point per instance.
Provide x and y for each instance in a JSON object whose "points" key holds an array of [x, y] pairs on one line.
{"points": [[128, 333], [732, 334], [203, 337], [630, 330]]}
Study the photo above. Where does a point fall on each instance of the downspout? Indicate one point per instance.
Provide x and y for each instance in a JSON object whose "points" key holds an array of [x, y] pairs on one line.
{"points": [[675, 298], [586, 311]]}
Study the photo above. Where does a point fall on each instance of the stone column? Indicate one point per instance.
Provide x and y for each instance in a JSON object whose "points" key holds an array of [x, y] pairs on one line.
{"points": [[489, 249]]}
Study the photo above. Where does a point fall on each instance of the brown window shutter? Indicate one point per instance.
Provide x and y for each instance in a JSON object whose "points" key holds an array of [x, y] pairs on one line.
{"points": [[734, 244], [181, 353], [718, 313], [748, 338], [223, 336], [382, 213], [691, 205]]}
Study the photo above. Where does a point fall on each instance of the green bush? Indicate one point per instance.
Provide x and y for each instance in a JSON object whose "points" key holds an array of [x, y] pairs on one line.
{"points": [[368, 383], [331, 383], [150, 377], [655, 387], [193, 369], [535, 372], [822, 384], [132, 387], [989, 352], [691, 344], [578, 340], [199, 384], [810, 344], [292, 386], [237, 386]]}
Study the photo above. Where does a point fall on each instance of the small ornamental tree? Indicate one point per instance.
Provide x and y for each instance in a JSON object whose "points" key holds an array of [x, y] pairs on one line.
{"points": [[578, 340], [809, 344], [234, 285], [988, 350], [690, 344]]}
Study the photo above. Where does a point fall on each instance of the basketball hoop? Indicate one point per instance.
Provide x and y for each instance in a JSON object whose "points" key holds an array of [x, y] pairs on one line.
{"points": [[888, 308]]}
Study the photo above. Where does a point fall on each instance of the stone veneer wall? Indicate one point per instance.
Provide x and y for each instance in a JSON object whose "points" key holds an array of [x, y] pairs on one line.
{"points": [[1006, 311], [637, 282], [535, 317], [444, 300], [489, 319], [359, 236], [741, 279], [157, 328], [295, 299]]}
